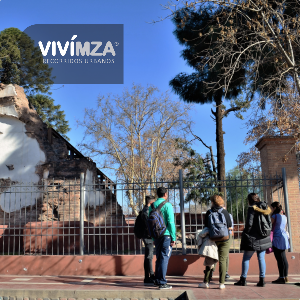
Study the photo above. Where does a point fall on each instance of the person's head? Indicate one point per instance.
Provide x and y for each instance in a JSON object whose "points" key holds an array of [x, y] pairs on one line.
{"points": [[162, 192], [277, 208], [252, 198], [149, 200], [217, 200]]}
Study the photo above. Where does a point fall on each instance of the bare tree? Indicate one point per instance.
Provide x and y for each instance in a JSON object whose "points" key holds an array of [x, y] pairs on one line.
{"points": [[134, 134], [281, 117], [261, 35]]}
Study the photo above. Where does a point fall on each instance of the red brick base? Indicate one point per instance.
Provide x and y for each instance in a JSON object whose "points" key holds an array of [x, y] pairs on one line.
{"points": [[110, 265]]}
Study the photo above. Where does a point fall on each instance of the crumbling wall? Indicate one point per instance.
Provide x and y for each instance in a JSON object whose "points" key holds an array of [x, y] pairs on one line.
{"points": [[40, 180], [27, 156]]}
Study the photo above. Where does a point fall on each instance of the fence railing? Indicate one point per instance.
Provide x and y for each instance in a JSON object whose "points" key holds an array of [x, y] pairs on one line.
{"points": [[69, 217]]}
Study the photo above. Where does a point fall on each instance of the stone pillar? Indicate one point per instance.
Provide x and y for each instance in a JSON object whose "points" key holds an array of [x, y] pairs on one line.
{"points": [[277, 153]]}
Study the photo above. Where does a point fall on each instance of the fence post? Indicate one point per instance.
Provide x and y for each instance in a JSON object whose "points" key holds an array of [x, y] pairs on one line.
{"points": [[287, 208], [182, 216], [81, 226]]}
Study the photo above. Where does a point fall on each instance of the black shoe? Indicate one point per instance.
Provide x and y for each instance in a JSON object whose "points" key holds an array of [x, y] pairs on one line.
{"points": [[227, 276], [279, 281], [241, 282], [148, 281], [262, 281], [165, 287], [155, 283]]}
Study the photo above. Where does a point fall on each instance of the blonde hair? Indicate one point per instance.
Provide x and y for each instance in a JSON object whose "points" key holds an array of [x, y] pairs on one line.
{"points": [[217, 200]]}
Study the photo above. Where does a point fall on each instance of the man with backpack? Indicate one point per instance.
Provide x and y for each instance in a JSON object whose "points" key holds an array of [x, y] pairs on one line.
{"points": [[148, 242], [162, 229]]}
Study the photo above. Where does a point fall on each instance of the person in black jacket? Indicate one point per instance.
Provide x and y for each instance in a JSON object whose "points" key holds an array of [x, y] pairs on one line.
{"points": [[223, 243], [148, 242], [253, 239]]}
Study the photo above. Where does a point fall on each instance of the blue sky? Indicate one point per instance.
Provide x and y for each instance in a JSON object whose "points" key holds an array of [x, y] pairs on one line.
{"points": [[151, 56]]}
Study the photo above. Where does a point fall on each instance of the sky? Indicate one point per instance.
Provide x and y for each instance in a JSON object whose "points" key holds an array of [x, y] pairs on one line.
{"points": [[151, 56]]}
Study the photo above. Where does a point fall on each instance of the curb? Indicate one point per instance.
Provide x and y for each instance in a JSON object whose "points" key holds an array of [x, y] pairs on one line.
{"points": [[13, 294]]}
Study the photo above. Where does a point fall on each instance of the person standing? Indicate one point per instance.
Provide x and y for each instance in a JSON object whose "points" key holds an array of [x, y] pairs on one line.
{"points": [[253, 240], [227, 276], [148, 242], [280, 242], [222, 243], [164, 244]]}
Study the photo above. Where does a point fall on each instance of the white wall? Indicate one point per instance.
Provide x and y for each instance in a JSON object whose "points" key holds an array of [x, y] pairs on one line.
{"points": [[24, 153], [92, 198]]}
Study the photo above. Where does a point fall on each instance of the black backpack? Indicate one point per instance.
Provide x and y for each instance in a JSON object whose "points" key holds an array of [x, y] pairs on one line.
{"points": [[139, 226], [265, 224], [156, 223]]}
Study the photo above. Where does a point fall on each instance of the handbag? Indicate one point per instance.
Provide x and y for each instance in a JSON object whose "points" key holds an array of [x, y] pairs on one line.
{"points": [[270, 250]]}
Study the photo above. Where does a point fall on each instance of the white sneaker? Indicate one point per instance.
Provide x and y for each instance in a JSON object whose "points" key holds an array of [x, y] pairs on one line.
{"points": [[203, 285], [222, 286]]}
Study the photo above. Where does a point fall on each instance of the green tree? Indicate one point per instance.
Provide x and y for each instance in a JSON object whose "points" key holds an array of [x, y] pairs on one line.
{"points": [[198, 175], [237, 191], [205, 85], [22, 63], [50, 113]]}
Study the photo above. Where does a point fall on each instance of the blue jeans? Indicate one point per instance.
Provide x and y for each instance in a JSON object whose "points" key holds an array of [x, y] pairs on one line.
{"points": [[163, 254], [261, 262]]}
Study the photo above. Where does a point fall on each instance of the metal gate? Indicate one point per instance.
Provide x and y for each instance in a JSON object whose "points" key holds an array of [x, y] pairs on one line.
{"points": [[68, 217]]}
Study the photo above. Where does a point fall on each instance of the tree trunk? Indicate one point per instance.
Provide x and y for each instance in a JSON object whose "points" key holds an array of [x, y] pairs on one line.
{"points": [[220, 147]]}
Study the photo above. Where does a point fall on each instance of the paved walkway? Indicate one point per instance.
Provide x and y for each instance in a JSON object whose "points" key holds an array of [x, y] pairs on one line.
{"points": [[118, 287]]}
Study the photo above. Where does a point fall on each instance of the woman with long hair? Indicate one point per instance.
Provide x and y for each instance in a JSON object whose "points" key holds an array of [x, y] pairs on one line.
{"points": [[280, 242], [254, 240]]}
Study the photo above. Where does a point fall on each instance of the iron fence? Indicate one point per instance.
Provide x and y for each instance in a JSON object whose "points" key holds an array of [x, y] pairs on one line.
{"points": [[70, 217]]}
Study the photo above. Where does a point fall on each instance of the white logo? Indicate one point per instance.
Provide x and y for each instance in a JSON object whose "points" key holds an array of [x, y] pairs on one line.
{"points": [[80, 49]]}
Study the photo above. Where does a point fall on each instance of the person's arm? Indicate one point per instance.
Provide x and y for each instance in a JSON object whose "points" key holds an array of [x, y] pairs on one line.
{"points": [[206, 218], [145, 213], [273, 219], [150, 209], [170, 221], [249, 221], [227, 217], [231, 228]]}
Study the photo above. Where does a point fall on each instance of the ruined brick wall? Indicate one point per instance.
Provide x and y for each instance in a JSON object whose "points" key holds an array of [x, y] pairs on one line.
{"points": [[277, 153], [55, 202], [58, 162]]}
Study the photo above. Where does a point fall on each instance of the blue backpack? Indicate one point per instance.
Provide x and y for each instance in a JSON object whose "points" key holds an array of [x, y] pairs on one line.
{"points": [[217, 225], [156, 223]]}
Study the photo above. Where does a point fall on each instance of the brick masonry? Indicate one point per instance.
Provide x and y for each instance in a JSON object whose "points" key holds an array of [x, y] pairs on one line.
{"points": [[60, 200], [277, 153]]}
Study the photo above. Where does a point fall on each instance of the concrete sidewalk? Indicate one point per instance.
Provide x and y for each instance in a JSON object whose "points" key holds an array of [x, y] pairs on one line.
{"points": [[14, 287]]}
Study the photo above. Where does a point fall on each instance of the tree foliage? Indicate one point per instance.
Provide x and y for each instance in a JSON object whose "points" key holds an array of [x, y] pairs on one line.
{"points": [[237, 192], [199, 180], [134, 135], [206, 84], [259, 36], [50, 113], [22, 63], [281, 117]]}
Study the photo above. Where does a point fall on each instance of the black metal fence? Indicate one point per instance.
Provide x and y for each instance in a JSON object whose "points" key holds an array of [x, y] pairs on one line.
{"points": [[69, 217]]}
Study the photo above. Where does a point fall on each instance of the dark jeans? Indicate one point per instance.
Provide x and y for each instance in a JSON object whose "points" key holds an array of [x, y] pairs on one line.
{"points": [[148, 257], [163, 254], [283, 265]]}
